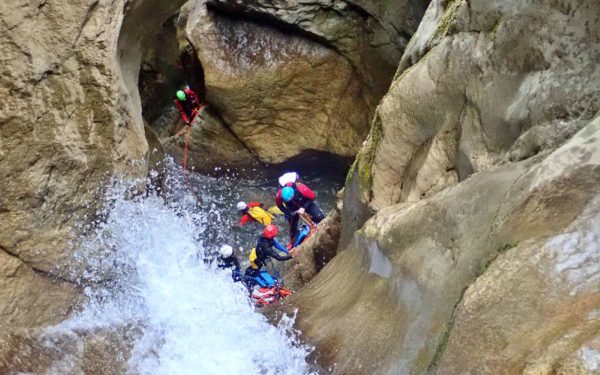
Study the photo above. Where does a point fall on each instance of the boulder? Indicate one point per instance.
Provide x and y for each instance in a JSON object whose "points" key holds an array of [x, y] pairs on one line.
{"points": [[387, 303], [371, 35], [314, 253], [278, 92]]}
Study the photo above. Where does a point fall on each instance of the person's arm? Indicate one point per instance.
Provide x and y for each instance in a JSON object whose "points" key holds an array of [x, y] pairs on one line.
{"points": [[181, 111], [307, 193], [274, 254], [280, 247], [236, 262]]}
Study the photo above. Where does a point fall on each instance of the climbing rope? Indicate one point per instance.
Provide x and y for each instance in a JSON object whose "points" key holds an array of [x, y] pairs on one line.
{"points": [[185, 151]]}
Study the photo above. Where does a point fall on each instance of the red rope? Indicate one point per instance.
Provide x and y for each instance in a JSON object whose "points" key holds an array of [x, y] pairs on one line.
{"points": [[185, 152]]}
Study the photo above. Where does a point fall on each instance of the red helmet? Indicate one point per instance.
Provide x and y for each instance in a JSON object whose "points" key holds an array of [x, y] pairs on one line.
{"points": [[270, 231]]}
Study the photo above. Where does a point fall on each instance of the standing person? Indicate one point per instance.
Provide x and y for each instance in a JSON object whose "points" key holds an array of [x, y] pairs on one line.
{"points": [[263, 252], [187, 103], [297, 199], [228, 260], [254, 212]]}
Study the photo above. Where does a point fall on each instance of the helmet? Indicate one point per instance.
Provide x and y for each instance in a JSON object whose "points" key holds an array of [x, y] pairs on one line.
{"points": [[270, 231], [241, 206], [180, 95], [289, 177], [287, 194], [226, 251]]}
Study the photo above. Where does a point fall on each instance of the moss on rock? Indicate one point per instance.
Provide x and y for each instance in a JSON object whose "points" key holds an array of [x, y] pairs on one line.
{"points": [[366, 157], [447, 21]]}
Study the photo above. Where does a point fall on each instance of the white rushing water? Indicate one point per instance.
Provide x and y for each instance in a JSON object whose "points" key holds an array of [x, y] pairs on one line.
{"points": [[148, 262]]}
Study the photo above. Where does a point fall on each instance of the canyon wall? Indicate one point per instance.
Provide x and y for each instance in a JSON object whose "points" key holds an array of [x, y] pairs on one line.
{"points": [[469, 238], [70, 121]]}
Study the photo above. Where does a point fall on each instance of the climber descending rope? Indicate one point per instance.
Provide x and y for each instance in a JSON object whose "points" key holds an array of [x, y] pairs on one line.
{"points": [[189, 107]]}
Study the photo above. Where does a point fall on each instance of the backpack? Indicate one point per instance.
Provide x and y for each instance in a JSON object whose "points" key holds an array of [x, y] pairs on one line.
{"points": [[252, 258], [260, 215]]}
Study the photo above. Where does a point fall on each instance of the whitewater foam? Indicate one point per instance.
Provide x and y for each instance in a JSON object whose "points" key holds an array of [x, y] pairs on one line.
{"points": [[149, 269]]}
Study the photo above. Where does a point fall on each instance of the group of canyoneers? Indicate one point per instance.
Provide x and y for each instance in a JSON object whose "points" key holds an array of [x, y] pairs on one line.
{"points": [[296, 202], [294, 199]]}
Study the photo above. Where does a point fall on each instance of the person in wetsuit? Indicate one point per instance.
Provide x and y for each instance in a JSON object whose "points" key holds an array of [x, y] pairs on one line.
{"points": [[228, 260], [263, 252], [295, 199], [254, 212], [187, 102]]}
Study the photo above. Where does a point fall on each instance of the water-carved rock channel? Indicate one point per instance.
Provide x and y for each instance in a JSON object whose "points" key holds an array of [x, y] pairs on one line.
{"points": [[453, 144]]}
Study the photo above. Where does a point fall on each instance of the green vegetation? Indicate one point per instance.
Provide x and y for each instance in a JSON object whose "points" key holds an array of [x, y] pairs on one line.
{"points": [[447, 22], [351, 171], [441, 345], [495, 28], [366, 157]]}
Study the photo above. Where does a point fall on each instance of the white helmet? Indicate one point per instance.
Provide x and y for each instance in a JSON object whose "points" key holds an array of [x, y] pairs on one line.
{"points": [[241, 206], [226, 251], [288, 177]]}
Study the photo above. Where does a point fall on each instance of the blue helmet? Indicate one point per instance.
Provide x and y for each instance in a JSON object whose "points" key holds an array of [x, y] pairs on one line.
{"points": [[287, 194]]}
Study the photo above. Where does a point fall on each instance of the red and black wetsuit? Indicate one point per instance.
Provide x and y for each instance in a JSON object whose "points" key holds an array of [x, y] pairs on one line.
{"points": [[304, 197], [186, 108]]}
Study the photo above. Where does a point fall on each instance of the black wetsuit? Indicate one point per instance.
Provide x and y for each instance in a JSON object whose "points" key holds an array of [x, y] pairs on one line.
{"points": [[231, 263], [264, 251], [290, 208]]}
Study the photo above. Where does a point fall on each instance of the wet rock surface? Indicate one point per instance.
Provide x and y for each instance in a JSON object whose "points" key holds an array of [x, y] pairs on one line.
{"points": [[211, 145], [70, 121]]}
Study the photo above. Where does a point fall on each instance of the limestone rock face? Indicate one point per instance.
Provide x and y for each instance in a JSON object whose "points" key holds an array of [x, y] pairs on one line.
{"points": [[522, 237], [535, 305], [279, 93], [62, 350], [481, 83], [68, 123], [371, 35], [29, 299], [314, 253]]}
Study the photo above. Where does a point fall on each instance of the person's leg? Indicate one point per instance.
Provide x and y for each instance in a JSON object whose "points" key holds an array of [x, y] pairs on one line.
{"points": [[294, 228], [249, 279], [315, 213]]}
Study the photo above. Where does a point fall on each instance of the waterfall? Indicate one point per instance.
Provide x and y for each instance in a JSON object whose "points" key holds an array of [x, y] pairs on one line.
{"points": [[148, 262]]}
